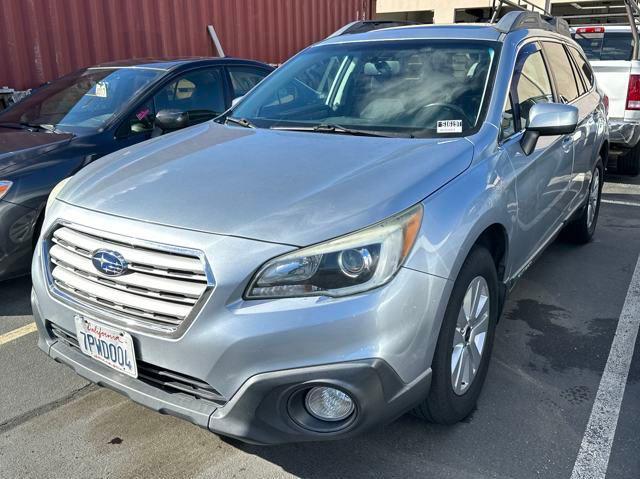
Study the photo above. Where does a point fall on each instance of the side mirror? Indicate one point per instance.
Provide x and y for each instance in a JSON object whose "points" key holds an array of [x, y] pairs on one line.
{"points": [[548, 119], [170, 120], [236, 100]]}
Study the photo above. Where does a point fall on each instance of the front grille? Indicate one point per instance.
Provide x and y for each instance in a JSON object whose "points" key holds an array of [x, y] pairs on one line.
{"points": [[169, 381], [160, 291]]}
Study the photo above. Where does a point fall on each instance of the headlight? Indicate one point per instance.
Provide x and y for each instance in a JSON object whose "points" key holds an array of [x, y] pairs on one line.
{"points": [[55, 192], [347, 265], [4, 188]]}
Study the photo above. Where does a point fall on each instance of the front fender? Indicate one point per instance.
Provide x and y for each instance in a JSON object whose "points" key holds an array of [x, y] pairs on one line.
{"points": [[457, 215]]}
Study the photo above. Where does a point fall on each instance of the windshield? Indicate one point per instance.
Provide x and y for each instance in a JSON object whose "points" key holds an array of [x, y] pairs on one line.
{"points": [[83, 100], [420, 88]]}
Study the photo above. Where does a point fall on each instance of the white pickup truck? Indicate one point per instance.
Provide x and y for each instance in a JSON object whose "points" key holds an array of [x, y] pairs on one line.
{"points": [[609, 49]]}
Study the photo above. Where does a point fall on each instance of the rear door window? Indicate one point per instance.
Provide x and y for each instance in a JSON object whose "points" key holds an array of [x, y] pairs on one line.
{"points": [[580, 81], [566, 82], [583, 68], [607, 46], [244, 78]]}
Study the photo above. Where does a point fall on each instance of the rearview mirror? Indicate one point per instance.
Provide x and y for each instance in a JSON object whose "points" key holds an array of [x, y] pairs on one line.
{"points": [[548, 119], [170, 120]]}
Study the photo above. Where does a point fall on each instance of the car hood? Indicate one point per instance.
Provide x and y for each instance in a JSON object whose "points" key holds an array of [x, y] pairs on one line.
{"points": [[285, 187], [20, 148]]}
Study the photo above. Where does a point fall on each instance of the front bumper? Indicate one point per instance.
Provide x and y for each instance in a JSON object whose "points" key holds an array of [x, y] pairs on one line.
{"points": [[258, 413], [378, 345], [624, 134]]}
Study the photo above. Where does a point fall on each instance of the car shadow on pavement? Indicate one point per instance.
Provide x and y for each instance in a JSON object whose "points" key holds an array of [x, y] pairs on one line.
{"points": [[405, 448], [629, 184], [621, 190], [612, 176], [15, 297]]}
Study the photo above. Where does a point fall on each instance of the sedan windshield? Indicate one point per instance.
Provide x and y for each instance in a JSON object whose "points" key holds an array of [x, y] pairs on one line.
{"points": [[409, 88], [84, 100]]}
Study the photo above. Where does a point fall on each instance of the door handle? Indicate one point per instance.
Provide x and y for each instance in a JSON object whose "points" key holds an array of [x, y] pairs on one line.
{"points": [[567, 143]]}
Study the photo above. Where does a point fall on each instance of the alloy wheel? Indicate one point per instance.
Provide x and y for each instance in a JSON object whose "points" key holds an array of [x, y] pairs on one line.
{"points": [[470, 335], [594, 194]]}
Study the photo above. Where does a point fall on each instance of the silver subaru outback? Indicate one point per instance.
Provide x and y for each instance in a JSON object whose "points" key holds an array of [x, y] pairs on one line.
{"points": [[335, 250]]}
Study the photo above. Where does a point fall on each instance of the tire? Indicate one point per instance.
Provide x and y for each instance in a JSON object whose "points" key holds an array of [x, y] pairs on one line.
{"points": [[37, 228], [582, 229], [446, 403], [629, 163]]}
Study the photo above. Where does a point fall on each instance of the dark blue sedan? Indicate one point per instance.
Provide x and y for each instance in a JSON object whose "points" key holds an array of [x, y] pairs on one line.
{"points": [[78, 118]]}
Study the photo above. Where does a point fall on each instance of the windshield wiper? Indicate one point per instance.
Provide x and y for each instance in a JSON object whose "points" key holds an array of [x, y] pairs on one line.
{"points": [[337, 129], [50, 128], [239, 121], [15, 126], [23, 125]]}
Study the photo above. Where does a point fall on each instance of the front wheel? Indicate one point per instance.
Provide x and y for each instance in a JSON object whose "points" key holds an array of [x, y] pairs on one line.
{"points": [[465, 342]]}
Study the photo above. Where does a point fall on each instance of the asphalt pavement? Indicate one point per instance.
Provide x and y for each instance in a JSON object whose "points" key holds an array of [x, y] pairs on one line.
{"points": [[553, 344]]}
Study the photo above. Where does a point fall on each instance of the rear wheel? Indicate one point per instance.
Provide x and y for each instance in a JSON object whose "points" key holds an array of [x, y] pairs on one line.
{"points": [[629, 163], [465, 342], [582, 229]]}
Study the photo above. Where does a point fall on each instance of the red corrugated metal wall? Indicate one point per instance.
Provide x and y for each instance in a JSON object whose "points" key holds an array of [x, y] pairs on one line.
{"points": [[41, 40]]}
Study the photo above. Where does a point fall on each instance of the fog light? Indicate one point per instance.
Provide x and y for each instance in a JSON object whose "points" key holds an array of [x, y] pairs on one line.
{"points": [[329, 404]]}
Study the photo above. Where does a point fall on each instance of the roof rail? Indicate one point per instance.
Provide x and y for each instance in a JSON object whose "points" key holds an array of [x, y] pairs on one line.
{"points": [[362, 26], [518, 20], [522, 18], [520, 5], [561, 26]]}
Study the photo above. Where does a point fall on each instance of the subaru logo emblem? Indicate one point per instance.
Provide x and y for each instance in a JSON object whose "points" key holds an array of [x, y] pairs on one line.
{"points": [[110, 263]]}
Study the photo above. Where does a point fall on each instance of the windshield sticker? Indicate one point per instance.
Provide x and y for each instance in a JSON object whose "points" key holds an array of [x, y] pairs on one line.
{"points": [[142, 114], [101, 89], [450, 126]]}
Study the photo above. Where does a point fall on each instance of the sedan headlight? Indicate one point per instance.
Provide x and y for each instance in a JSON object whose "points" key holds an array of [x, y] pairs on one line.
{"points": [[347, 265], [55, 192], [4, 188]]}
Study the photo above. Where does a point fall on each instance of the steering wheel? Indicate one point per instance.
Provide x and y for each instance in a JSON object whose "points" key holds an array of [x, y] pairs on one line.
{"points": [[450, 107]]}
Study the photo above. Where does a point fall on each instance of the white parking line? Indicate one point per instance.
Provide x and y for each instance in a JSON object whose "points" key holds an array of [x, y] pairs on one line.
{"points": [[17, 333], [618, 202], [593, 456]]}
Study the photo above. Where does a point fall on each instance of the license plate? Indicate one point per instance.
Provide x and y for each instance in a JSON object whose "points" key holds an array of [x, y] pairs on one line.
{"points": [[107, 345]]}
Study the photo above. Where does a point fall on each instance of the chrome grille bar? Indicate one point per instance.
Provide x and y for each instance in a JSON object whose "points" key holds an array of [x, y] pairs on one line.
{"points": [[161, 290], [143, 282], [135, 256]]}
